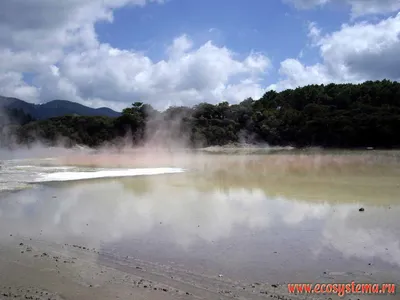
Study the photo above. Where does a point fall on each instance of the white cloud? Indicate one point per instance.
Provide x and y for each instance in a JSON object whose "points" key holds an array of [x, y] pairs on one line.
{"points": [[295, 74], [355, 53], [57, 43], [364, 49], [180, 46], [187, 77], [314, 33], [368, 7], [12, 83], [306, 4], [358, 7]]}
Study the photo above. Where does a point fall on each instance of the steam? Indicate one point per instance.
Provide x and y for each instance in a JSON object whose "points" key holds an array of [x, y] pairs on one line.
{"points": [[166, 133], [163, 134], [159, 134], [5, 133], [166, 140]]}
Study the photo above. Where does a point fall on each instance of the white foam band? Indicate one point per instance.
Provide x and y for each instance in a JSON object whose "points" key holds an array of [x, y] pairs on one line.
{"points": [[69, 176]]}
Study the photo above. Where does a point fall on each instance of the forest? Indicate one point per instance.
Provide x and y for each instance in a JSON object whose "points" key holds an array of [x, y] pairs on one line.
{"points": [[330, 116]]}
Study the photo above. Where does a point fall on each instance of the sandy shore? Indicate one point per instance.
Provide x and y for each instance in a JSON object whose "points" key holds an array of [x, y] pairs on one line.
{"points": [[33, 269]]}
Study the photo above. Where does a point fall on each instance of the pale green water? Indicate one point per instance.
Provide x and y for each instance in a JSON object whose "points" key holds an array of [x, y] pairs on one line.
{"points": [[274, 218]]}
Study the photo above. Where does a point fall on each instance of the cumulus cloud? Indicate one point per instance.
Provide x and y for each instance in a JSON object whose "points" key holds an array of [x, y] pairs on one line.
{"points": [[314, 33], [358, 7], [365, 49], [187, 77], [355, 53], [368, 7], [56, 42], [12, 83]]}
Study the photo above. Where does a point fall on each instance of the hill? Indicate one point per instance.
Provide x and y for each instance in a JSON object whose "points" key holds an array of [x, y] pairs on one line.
{"points": [[331, 116], [55, 108]]}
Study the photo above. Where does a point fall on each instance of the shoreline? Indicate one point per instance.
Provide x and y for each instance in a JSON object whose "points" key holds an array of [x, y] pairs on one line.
{"points": [[34, 269]]}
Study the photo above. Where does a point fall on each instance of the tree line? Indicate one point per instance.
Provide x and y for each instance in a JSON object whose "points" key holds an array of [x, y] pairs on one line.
{"points": [[333, 115]]}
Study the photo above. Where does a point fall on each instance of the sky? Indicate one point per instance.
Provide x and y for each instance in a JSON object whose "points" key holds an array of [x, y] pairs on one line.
{"points": [[183, 52]]}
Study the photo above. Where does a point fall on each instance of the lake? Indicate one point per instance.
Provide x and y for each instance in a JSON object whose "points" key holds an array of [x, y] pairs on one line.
{"points": [[276, 217]]}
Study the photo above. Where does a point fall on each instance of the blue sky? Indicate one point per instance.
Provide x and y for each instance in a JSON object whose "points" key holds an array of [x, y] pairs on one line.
{"points": [[182, 52], [271, 27]]}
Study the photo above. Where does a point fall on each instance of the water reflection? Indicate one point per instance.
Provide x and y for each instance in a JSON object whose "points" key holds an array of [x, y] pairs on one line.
{"points": [[108, 211], [371, 235], [243, 227]]}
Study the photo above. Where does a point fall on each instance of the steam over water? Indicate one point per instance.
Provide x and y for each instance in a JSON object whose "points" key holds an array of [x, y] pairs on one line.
{"points": [[262, 217]]}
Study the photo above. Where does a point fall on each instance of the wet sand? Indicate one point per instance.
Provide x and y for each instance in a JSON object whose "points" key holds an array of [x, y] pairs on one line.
{"points": [[33, 269]]}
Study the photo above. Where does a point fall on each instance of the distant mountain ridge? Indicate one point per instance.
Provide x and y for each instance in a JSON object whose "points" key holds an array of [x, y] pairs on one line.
{"points": [[55, 108]]}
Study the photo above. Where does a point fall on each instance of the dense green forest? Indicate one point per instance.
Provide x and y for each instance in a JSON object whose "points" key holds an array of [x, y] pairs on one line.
{"points": [[334, 115]]}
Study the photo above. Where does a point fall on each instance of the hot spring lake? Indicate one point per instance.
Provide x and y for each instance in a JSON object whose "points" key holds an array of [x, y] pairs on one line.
{"points": [[276, 218]]}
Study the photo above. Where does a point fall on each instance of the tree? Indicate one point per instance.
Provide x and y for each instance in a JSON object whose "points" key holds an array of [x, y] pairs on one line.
{"points": [[333, 115]]}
